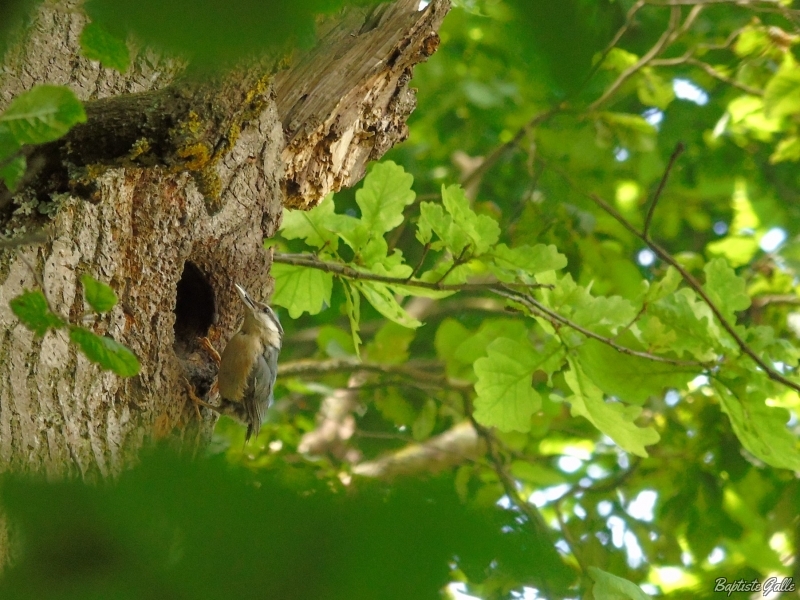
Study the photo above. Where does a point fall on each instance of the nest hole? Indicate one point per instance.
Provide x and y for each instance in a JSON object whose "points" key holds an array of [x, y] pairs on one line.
{"points": [[194, 308]]}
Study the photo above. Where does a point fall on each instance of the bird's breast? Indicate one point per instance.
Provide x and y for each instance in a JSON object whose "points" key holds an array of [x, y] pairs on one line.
{"points": [[238, 359]]}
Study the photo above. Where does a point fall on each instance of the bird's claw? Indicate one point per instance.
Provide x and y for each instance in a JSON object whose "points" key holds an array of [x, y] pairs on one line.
{"points": [[196, 400], [209, 347]]}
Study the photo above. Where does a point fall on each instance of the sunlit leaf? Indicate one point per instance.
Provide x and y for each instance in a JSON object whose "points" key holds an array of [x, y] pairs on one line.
{"points": [[98, 295], [782, 94], [505, 396], [106, 352], [301, 289], [42, 114], [725, 289], [31, 308], [612, 418]]}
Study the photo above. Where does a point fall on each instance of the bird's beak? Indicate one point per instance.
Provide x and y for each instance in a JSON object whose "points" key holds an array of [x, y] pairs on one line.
{"points": [[248, 301]]}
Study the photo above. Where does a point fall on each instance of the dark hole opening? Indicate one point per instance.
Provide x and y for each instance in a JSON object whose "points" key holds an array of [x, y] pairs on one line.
{"points": [[194, 308]]}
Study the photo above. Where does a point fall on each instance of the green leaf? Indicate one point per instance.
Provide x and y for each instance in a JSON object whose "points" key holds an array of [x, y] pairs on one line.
{"points": [[505, 395], [98, 44], [654, 90], [664, 287], [98, 295], [43, 114], [456, 224], [509, 263], [13, 171], [601, 314], [787, 149], [692, 320], [382, 298], [384, 195], [449, 336], [610, 587], [301, 289], [626, 130], [612, 418], [109, 354], [31, 308], [8, 143], [629, 378], [390, 344], [782, 94], [726, 290], [475, 346], [761, 429], [312, 226], [425, 422]]}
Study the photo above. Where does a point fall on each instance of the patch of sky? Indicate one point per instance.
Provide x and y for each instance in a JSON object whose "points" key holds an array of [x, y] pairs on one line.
{"points": [[646, 257], [772, 239], [686, 89]]}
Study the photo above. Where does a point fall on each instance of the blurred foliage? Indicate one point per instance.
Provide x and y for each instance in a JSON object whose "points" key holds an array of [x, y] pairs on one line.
{"points": [[180, 529], [650, 477]]}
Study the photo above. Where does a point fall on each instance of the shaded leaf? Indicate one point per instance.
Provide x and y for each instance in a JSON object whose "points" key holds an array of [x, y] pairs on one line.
{"points": [[630, 378], [762, 429], [98, 44], [610, 587], [13, 171], [382, 298]]}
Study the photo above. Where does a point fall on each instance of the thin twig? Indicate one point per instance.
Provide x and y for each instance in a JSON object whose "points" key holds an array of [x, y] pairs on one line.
{"points": [[679, 148], [457, 262], [509, 485], [657, 48], [695, 285], [687, 59], [552, 316], [617, 37], [425, 251], [342, 270], [687, 277], [500, 151]]}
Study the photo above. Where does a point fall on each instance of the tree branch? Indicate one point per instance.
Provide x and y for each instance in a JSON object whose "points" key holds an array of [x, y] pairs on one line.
{"points": [[657, 48], [675, 154], [557, 319], [342, 270]]}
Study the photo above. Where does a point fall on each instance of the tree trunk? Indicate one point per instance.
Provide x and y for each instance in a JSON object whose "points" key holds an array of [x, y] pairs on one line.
{"points": [[171, 226]]}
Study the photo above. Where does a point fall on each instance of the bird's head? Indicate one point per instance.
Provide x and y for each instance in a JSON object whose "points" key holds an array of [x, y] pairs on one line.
{"points": [[261, 319]]}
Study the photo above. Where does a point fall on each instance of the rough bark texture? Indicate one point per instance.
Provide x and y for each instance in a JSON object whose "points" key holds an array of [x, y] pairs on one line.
{"points": [[149, 233]]}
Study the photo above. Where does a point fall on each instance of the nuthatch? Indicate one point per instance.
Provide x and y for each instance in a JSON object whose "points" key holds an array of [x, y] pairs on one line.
{"points": [[250, 364]]}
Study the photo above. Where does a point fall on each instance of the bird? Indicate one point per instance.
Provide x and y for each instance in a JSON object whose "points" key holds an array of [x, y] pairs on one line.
{"points": [[248, 366]]}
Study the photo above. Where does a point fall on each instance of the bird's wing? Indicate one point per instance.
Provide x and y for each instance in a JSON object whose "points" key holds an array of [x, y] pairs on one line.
{"points": [[258, 394]]}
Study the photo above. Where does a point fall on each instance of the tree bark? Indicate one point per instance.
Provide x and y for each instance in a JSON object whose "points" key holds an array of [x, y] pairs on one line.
{"points": [[169, 202]]}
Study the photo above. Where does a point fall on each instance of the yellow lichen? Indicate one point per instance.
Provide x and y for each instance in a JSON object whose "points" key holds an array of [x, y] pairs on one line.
{"points": [[139, 148], [195, 155]]}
